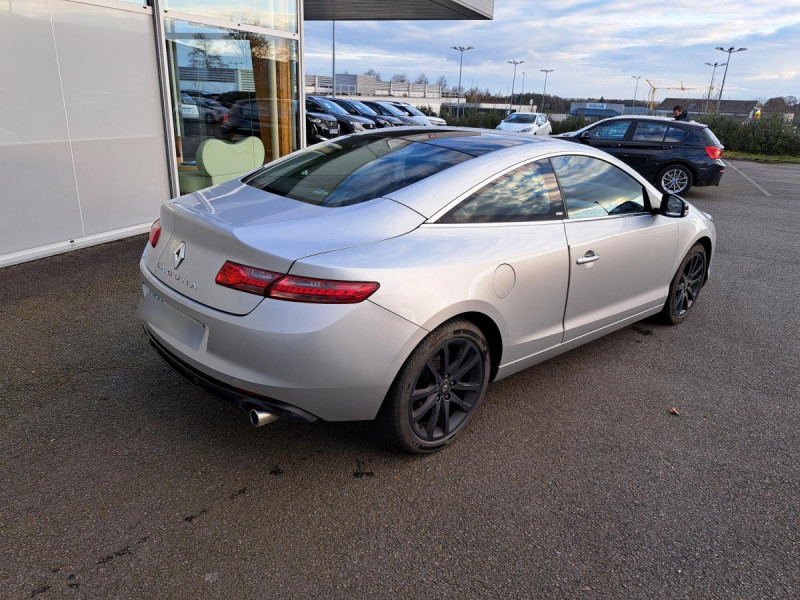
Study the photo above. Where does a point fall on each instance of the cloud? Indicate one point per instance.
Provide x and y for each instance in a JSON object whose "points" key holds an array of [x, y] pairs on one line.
{"points": [[595, 46]]}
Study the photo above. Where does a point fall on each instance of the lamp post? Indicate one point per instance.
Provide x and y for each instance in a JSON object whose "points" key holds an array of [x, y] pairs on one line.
{"points": [[545, 71], [636, 91], [461, 49], [729, 51], [711, 85], [521, 90], [513, 80], [333, 55]]}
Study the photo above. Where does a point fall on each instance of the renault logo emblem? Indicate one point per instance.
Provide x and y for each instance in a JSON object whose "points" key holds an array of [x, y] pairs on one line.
{"points": [[178, 255]]}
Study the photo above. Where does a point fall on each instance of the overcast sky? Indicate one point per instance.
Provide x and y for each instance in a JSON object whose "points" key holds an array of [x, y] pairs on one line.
{"points": [[594, 46]]}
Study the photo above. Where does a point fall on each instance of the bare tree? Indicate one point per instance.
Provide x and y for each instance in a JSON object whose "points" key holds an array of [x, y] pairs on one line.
{"points": [[422, 79], [400, 78], [442, 82], [202, 55], [373, 73]]}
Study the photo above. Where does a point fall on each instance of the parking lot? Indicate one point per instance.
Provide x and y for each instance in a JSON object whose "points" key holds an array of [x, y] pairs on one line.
{"points": [[575, 480]]}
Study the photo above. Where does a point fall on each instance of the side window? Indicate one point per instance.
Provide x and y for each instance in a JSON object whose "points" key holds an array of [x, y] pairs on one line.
{"points": [[594, 188], [528, 193], [676, 134], [649, 132], [312, 106], [611, 131]]}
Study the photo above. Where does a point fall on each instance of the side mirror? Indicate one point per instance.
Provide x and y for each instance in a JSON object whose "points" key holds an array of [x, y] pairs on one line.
{"points": [[673, 206]]}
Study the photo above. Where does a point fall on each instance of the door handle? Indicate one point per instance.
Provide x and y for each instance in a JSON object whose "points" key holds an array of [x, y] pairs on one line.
{"points": [[589, 257]]}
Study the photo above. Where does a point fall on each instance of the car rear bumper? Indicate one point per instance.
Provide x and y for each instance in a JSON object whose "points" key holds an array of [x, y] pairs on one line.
{"points": [[334, 362], [710, 174]]}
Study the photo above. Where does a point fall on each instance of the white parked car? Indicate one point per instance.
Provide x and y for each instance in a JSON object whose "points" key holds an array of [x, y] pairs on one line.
{"points": [[526, 122]]}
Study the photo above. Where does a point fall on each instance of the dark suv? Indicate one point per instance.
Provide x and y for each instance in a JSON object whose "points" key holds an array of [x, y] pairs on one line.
{"points": [[674, 155]]}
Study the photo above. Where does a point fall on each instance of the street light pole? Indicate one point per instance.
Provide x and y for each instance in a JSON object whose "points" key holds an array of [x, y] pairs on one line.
{"points": [[636, 91], [513, 81], [461, 49], [521, 90], [711, 85], [545, 71], [333, 66], [729, 51]]}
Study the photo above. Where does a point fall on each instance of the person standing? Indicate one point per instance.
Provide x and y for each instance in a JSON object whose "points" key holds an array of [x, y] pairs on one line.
{"points": [[679, 113]]}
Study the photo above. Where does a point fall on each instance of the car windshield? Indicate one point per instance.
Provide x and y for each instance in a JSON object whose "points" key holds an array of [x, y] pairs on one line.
{"points": [[366, 110], [521, 118], [411, 110], [354, 170], [330, 106], [392, 110]]}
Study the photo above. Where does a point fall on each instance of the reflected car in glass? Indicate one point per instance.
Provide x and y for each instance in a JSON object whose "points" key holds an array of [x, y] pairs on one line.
{"points": [[674, 155], [391, 275], [526, 122], [245, 117], [347, 123]]}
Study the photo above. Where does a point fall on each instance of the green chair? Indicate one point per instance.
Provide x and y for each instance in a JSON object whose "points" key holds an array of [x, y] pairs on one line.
{"points": [[219, 161]]}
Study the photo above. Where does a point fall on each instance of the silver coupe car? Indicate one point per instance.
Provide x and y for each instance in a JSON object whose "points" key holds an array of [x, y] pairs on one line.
{"points": [[392, 275]]}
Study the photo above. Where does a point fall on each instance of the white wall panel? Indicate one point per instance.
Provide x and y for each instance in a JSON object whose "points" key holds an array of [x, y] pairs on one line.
{"points": [[38, 196], [110, 80]]}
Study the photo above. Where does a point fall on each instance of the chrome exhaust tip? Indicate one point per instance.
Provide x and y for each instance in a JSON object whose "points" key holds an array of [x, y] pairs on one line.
{"points": [[259, 418]]}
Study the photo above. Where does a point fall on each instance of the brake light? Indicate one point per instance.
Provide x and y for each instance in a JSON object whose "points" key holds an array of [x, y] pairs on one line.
{"points": [[293, 288], [155, 232], [713, 152], [304, 289], [246, 279]]}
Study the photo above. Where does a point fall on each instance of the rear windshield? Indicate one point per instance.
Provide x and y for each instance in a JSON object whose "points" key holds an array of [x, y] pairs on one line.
{"points": [[354, 170], [710, 135]]}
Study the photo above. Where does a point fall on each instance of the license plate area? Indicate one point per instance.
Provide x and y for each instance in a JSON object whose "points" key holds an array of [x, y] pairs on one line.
{"points": [[160, 315]]}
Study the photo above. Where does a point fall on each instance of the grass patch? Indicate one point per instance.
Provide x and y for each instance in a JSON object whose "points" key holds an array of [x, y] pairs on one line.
{"points": [[765, 158]]}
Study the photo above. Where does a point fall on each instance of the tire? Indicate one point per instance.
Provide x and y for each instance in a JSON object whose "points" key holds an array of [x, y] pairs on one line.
{"points": [[685, 286], [423, 410], [674, 179]]}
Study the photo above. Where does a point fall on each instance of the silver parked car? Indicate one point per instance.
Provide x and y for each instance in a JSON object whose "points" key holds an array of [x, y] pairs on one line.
{"points": [[392, 275]]}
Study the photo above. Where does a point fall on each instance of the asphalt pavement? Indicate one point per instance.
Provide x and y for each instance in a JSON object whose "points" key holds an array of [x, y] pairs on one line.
{"points": [[119, 480]]}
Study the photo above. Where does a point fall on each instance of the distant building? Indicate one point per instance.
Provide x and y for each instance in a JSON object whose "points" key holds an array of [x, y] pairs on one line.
{"points": [[596, 109]]}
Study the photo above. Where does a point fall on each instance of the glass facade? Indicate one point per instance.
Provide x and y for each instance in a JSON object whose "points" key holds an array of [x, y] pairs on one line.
{"points": [[234, 86], [110, 108]]}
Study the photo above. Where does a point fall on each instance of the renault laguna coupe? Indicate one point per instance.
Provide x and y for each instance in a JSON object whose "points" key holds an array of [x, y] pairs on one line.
{"points": [[392, 275]]}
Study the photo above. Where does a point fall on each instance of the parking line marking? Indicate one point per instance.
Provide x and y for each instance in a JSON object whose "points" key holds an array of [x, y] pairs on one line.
{"points": [[766, 193]]}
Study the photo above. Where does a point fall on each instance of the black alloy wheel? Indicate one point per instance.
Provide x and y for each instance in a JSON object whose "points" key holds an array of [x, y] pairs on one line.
{"points": [[685, 286], [439, 388]]}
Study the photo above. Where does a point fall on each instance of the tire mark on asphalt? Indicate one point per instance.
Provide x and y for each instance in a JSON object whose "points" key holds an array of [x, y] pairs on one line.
{"points": [[765, 192]]}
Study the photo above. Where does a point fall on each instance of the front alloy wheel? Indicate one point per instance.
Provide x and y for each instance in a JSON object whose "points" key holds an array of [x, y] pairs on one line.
{"points": [[438, 389]]}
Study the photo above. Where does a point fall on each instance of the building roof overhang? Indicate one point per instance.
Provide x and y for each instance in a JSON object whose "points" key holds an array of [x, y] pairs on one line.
{"points": [[379, 10]]}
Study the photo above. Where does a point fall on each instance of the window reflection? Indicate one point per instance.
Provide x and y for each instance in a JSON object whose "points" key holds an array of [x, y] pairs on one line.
{"points": [[280, 15], [236, 87], [595, 188]]}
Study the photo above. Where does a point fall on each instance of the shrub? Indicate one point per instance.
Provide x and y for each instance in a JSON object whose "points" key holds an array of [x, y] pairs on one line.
{"points": [[569, 124], [770, 135]]}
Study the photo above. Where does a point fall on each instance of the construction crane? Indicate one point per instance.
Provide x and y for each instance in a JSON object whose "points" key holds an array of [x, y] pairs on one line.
{"points": [[661, 86]]}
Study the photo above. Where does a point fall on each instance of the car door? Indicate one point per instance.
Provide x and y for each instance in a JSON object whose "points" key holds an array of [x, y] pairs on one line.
{"points": [[608, 135], [620, 252], [516, 234], [645, 150]]}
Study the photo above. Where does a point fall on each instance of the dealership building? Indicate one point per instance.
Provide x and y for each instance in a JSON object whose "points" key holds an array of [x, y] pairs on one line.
{"points": [[110, 107]]}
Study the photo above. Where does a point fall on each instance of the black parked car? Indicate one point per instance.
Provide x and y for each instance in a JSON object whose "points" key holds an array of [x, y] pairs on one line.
{"points": [[243, 120], [674, 155], [387, 110], [347, 123], [354, 107]]}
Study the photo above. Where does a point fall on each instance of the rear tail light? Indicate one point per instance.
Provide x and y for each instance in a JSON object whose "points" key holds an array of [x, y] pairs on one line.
{"points": [[713, 152], [303, 289], [293, 288], [246, 279], [155, 232]]}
